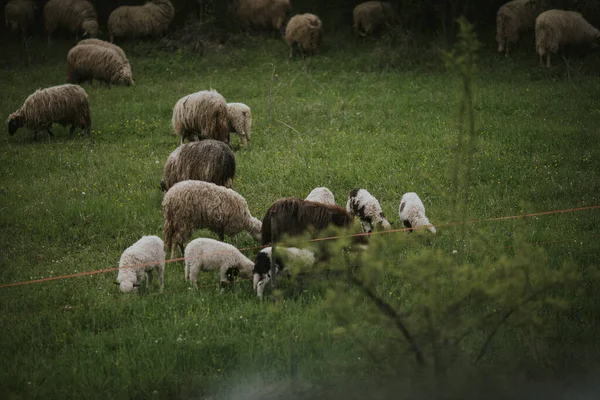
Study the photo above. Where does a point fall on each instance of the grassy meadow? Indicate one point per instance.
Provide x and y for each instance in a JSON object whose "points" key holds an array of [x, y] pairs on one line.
{"points": [[349, 117]]}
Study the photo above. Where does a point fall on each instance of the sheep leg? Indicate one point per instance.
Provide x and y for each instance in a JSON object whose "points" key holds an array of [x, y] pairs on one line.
{"points": [[548, 60], [234, 240], [150, 276], [72, 130], [161, 277], [186, 271]]}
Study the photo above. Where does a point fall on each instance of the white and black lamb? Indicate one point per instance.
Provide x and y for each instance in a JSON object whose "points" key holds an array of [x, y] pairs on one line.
{"points": [[412, 212], [362, 204], [286, 258], [321, 195], [139, 261]]}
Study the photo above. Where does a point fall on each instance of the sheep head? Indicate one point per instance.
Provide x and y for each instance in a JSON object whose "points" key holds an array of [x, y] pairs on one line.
{"points": [[255, 229], [14, 123]]}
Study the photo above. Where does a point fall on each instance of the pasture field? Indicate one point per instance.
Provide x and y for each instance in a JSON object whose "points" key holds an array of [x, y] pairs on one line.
{"points": [[342, 119]]}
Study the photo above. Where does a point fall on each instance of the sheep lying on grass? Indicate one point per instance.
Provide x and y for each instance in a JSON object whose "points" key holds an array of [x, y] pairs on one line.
{"points": [[78, 16], [205, 254], [138, 261], [285, 257], [371, 16], [208, 160], [412, 212], [202, 114], [512, 19], [191, 205], [19, 16], [86, 62], [265, 14], [294, 216], [151, 19], [239, 117], [321, 195], [362, 203], [304, 31], [556, 28], [63, 104]]}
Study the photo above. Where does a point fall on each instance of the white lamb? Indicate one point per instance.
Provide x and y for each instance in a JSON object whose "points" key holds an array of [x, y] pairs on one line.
{"points": [[412, 212], [209, 254], [239, 118], [321, 195], [138, 261], [362, 203], [285, 256]]}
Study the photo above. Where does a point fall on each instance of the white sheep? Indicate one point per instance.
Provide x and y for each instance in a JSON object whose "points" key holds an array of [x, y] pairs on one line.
{"points": [[150, 19], [290, 257], [78, 16], [190, 205], [412, 212], [304, 31], [202, 114], [367, 208], [239, 117], [138, 262], [205, 254], [265, 14], [321, 195], [512, 19], [555, 28]]}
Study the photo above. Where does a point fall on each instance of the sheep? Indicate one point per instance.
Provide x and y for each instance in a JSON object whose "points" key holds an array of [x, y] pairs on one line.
{"points": [[321, 195], [555, 28], [512, 19], [202, 114], [103, 43], [293, 216], [208, 160], [91, 61], [261, 272], [362, 203], [64, 104], [412, 212], [209, 254], [304, 31], [75, 15], [239, 117], [371, 16], [151, 19], [266, 14], [191, 205], [138, 262], [19, 16]]}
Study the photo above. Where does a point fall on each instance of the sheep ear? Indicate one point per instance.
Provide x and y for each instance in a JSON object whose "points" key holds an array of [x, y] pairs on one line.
{"points": [[116, 283]]}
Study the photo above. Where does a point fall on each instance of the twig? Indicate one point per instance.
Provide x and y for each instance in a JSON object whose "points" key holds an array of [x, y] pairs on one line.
{"points": [[283, 123]]}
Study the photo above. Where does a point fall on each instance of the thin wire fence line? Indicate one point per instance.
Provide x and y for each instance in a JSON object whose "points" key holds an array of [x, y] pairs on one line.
{"points": [[448, 224]]}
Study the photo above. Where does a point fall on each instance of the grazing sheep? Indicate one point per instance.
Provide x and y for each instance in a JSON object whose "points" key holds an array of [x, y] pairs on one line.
{"points": [[19, 16], [75, 15], [261, 273], [262, 14], [555, 28], [91, 61], [362, 203], [209, 254], [304, 31], [108, 45], [191, 205], [151, 19], [512, 19], [371, 16], [412, 212], [239, 117], [63, 104], [202, 114], [321, 195], [138, 261], [208, 160], [294, 216]]}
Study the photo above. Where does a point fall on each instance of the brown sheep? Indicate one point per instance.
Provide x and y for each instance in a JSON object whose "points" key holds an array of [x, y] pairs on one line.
{"points": [[304, 31]]}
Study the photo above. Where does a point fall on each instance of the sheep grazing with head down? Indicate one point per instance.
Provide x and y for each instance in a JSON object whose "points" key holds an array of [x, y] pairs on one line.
{"points": [[295, 216], [151, 19], [63, 104], [207, 160], [371, 16], [202, 114], [362, 203], [86, 62], [262, 14], [556, 28], [191, 205], [205, 254], [304, 31], [78, 16], [412, 212], [239, 117], [513, 19], [321, 195], [286, 258], [139, 261], [19, 16]]}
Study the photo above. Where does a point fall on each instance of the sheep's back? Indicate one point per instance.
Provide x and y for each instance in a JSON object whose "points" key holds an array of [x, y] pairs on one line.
{"points": [[62, 104]]}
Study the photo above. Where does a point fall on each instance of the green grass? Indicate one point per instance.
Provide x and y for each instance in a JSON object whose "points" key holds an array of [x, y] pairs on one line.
{"points": [[341, 120]]}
